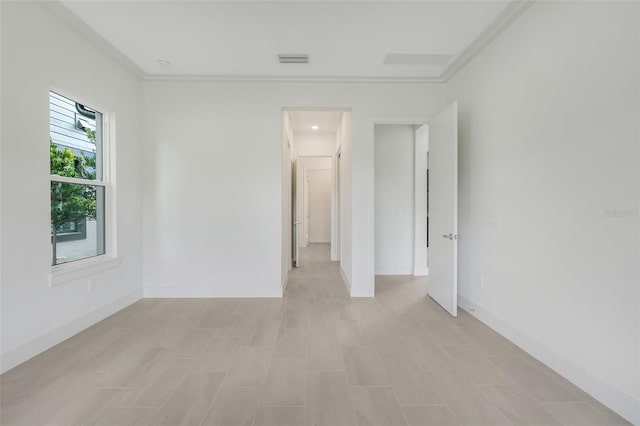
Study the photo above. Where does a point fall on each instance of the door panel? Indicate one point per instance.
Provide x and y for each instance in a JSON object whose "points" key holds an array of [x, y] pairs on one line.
{"points": [[443, 209], [319, 206]]}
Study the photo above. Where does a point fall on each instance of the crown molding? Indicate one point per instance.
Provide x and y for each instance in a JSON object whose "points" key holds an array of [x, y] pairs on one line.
{"points": [[510, 13], [57, 9], [291, 78]]}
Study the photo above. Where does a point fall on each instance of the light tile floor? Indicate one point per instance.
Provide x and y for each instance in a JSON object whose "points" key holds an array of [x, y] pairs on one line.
{"points": [[315, 357]]}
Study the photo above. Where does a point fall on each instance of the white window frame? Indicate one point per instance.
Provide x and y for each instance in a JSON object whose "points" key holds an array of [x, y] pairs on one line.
{"points": [[66, 272]]}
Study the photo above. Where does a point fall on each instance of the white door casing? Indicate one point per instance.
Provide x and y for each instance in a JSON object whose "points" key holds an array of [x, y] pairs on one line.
{"points": [[337, 237], [420, 201], [305, 208], [295, 214]]}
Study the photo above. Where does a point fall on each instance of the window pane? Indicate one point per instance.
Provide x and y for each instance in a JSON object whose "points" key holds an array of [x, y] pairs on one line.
{"points": [[77, 221], [75, 139]]}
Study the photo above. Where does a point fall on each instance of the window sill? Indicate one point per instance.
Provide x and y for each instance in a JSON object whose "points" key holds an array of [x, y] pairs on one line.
{"points": [[61, 274]]}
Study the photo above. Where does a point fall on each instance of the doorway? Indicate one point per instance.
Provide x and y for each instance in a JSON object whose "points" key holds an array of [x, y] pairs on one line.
{"points": [[311, 182], [317, 208], [401, 199], [434, 208]]}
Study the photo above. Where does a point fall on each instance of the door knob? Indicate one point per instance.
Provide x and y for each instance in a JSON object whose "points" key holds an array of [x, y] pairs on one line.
{"points": [[451, 236]]}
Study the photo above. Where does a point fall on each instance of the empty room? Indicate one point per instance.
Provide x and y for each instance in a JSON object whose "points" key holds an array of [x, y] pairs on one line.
{"points": [[331, 213]]}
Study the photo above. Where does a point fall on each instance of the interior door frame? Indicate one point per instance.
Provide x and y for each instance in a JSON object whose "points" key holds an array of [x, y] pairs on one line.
{"points": [[416, 121], [303, 200], [320, 219], [336, 237], [420, 200], [285, 109], [305, 206], [295, 246]]}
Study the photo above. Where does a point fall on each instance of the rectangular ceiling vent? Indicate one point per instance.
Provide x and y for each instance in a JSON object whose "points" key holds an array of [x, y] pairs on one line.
{"points": [[417, 58], [302, 58]]}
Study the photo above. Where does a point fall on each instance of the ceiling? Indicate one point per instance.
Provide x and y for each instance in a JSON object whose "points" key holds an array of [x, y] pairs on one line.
{"points": [[241, 39], [327, 121]]}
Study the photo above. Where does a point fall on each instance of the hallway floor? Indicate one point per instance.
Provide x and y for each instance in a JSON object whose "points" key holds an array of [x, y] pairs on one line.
{"points": [[314, 357]]}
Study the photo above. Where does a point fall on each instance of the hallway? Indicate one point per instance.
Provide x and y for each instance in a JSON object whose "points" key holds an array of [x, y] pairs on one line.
{"points": [[315, 357]]}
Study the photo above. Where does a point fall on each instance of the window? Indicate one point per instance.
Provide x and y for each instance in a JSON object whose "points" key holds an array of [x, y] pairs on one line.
{"points": [[78, 180]]}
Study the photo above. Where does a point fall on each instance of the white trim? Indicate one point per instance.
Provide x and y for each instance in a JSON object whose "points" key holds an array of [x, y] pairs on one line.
{"points": [[334, 206], [623, 404], [510, 13], [16, 356], [216, 292], [336, 251], [411, 120], [347, 284], [321, 109], [71, 271], [420, 202], [250, 78], [77, 181], [109, 175], [508, 16]]}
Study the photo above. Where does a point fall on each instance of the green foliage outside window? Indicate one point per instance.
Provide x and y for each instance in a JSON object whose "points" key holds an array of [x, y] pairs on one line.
{"points": [[71, 203]]}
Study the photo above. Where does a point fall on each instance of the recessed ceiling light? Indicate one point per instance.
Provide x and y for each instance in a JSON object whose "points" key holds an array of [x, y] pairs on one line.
{"points": [[315, 127], [164, 63]]}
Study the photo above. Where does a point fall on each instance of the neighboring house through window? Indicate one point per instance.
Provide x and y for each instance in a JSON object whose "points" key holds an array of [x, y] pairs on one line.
{"points": [[78, 180]]}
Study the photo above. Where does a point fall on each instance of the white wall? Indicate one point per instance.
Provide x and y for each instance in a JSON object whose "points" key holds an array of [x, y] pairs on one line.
{"points": [[549, 191], [38, 52], [214, 150], [343, 234], [315, 144], [394, 210]]}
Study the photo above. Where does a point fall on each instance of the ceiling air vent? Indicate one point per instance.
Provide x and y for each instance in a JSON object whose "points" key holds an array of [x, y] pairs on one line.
{"points": [[294, 59], [417, 58]]}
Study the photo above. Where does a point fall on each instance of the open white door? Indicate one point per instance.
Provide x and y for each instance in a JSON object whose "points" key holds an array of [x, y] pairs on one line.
{"points": [[443, 209]]}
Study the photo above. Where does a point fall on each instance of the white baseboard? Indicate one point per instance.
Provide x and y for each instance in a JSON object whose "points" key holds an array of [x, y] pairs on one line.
{"points": [[212, 292], [18, 355], [421, 272], [347, 284], [394, 270], [623, 404]]}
